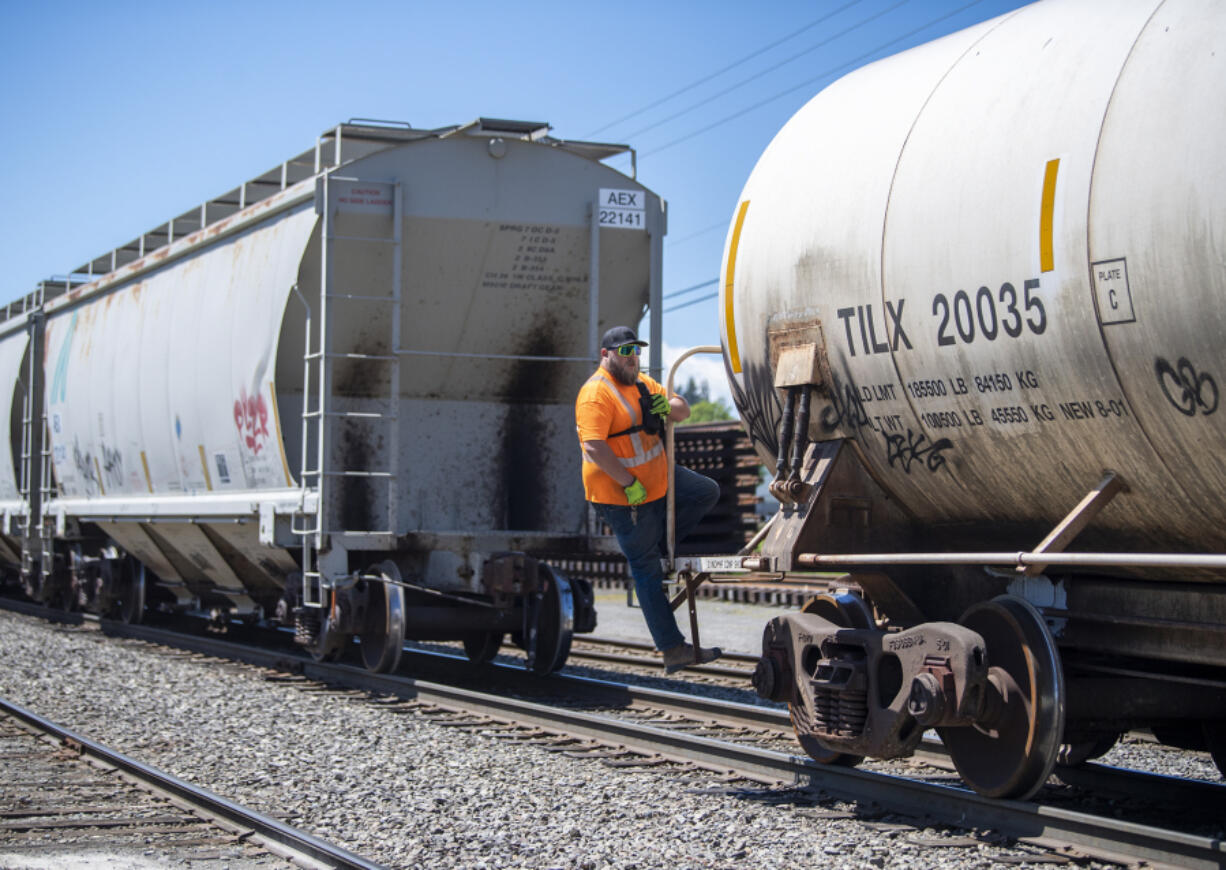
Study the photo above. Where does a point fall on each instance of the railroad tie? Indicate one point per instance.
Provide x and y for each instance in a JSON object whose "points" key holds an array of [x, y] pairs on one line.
{"points": [[634, 760]]}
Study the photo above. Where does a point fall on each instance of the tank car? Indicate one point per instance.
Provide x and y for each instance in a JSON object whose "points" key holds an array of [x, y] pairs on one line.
{"points": [[972, 318], [338, 396]]}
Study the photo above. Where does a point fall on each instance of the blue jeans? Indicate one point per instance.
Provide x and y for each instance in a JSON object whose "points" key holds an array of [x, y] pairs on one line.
{"points": [[642, 534]]}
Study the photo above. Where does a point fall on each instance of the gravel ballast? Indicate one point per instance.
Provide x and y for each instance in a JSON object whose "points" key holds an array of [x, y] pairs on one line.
{"points": [[401, 790]]}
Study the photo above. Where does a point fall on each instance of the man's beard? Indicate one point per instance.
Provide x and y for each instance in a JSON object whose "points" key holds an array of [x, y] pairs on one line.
{"points": [[622, 372]]}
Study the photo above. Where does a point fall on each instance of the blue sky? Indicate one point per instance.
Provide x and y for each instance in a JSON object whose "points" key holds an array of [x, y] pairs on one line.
{"points": [[118, 115]]}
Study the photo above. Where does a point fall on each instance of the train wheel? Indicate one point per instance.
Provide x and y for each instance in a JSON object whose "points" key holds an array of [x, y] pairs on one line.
{"points": [[482, 646], [60, 591], [322, 640], [382, 635], [1013, 749], [32, 584], [850, 611], [555, 621], [130, 607]]}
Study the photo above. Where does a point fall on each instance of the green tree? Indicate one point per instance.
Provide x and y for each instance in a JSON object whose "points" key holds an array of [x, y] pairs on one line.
{"points": [[706, 411], [693, 393]]}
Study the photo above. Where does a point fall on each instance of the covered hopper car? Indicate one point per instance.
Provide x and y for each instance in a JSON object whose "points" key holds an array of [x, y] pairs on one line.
{"points": [[973, 317], [338, 396]]}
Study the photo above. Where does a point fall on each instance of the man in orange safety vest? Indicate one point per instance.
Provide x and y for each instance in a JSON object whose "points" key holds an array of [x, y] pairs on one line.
{"points": [[620, 415]]}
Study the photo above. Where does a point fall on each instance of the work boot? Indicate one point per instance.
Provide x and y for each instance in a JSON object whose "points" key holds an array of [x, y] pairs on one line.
{"points": [[682, 656]]}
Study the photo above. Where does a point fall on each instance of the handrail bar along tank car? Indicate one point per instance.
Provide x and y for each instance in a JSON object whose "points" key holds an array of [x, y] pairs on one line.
{"points": [[972, 318], [339, 395]]}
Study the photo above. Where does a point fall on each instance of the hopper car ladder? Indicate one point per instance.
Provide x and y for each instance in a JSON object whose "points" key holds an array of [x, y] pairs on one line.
{"points": [[36, 486], [320, 538]]}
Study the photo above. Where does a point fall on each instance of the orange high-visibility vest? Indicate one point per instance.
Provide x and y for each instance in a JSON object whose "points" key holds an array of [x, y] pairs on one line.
{"points": [[604, 406]]}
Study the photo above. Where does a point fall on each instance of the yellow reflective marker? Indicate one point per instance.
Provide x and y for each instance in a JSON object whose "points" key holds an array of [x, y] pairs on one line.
{"points": [[144, 461], [1047, 257], [101, 488], [204, 463], [734, 353], [276, 422]]}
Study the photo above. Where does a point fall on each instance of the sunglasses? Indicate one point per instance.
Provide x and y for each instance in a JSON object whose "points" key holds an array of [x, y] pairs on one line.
{"points": [[629, 350]]}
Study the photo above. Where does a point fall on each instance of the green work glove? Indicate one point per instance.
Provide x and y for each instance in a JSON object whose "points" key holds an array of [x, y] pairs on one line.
{"points": [[660, 406], [635, 492]]}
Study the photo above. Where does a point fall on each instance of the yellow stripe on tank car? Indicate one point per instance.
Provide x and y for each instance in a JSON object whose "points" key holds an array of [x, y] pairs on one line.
{"points": [[144, 461], [98, 469], [276, 422], [1047, 256], [204, 463], [734, 353]]}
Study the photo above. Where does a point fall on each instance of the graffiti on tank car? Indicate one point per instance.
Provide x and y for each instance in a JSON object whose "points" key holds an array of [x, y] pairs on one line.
{"points": [[1188, 390], [906, 450], [849, 409], [757, 407], [84, 463], [251, 420], [112, 466], [59, 382]]}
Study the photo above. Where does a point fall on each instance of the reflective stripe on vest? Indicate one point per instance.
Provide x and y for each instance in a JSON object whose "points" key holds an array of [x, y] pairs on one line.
{"points": [[641, 456]]}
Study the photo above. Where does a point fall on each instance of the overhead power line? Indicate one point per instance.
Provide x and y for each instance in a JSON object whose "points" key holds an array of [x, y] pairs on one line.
{"points": [[672, 243], [676, 293], [720, 72], [809, 82], [706, 298], [760, 73]]}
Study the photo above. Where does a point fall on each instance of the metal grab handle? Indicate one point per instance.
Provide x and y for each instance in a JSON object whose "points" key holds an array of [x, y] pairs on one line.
{"points": [[668, 449]]}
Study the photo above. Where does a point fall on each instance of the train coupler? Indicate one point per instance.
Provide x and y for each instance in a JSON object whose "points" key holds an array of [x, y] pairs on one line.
{"points": [[863, 691]]}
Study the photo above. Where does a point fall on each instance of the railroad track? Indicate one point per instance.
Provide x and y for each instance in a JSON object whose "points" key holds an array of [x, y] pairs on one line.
{"points": [[735, 667], [627, 725], [630, 726], [65, 796]]}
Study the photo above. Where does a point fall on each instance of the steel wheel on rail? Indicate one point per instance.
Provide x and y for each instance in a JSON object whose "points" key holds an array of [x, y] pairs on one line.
{"points": [[32, 583], [1011, 750], [850, 611], [129, 607], [482, 646], [318, 630], [555, 622], [382, 636]]}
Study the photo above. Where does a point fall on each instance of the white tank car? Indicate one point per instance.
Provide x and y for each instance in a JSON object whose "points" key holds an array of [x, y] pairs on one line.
{"points": [[972, 306], [342, 393]]}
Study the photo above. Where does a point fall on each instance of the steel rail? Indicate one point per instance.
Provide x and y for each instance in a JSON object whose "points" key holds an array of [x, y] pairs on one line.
{"points": [[1094, 777], [1107, 838], [279, 838], [636, 658], [1098, 778], [743, 658], [1018, 559]]}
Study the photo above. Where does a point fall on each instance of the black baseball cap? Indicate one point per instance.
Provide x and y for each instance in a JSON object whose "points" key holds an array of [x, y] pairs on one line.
{"points": [[619, 335]]}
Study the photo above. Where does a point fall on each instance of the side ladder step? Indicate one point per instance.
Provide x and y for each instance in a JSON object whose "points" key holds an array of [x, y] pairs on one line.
{"points": [[361, 298], [314, 472], [363, 356], [373, 415]]}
